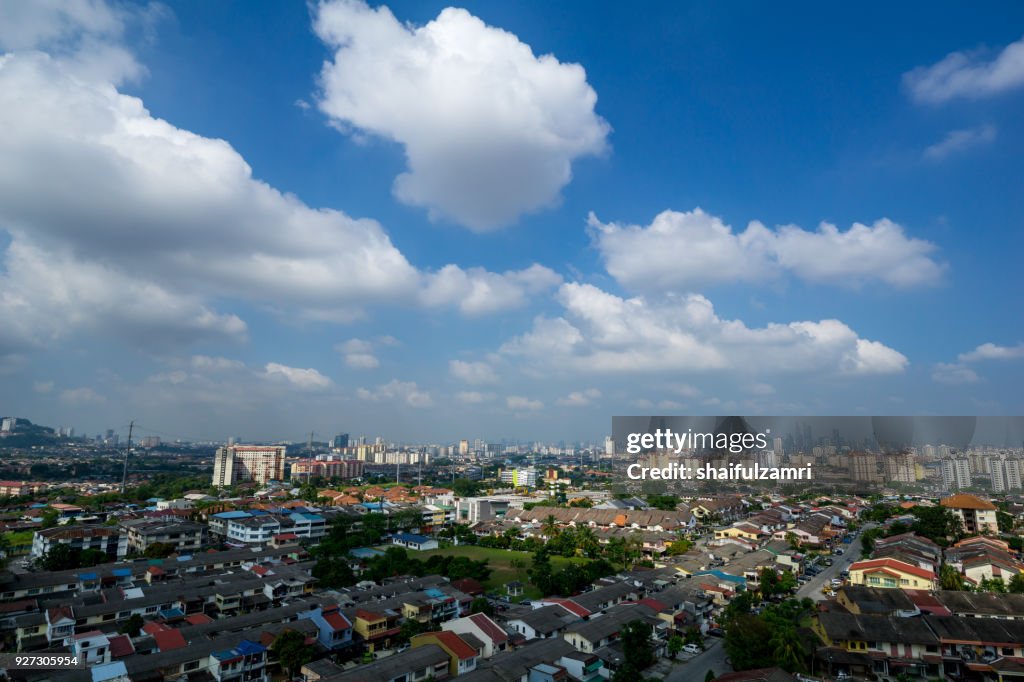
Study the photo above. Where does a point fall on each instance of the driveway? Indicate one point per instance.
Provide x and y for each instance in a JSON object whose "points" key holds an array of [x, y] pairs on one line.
{"points": [[695, 668]]}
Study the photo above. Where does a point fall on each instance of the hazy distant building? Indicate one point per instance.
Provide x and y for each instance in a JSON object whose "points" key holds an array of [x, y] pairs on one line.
{"points": [[463, 447], [864, 467], [956, 473], [520, 477], [900, 468], [609, 446], [7, 424], [242, 463], [340, 441], [1005, 474], [306, 469]]}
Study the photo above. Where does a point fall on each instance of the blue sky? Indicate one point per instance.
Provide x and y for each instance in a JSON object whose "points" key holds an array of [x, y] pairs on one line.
{"points": [[507, 220]]}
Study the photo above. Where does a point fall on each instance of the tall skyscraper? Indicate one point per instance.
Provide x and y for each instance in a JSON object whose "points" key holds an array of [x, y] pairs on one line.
{"points": [[241, 463], [956, 473], [900, 467], [340, 441], [1005, 474]]}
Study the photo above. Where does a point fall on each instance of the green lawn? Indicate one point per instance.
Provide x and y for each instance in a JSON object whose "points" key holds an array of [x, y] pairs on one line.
{"points": [[500, 562]]}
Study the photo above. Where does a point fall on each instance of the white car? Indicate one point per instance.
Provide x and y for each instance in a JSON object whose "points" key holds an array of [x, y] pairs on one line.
{"points": [[692, 649]]}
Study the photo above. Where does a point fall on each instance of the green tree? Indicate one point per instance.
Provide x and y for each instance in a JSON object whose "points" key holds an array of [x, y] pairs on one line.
{"points": [[159, 550], [49, 518], [1016, 584], [680, 546], [333, 572], [61, 557], [992, 585], [938, 524], [481, 605], [709, 675], [675, 645], [133, 626], [636, 645], [950, 578], [291, 651]]}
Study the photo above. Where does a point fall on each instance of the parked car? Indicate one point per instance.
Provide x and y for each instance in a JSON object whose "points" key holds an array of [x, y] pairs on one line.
{"points": [[716, 632], [838, 551], [692, 649], [526, 602]]}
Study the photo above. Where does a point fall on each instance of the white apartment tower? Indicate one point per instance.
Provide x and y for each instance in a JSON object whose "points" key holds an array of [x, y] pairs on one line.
{"points": [[1005, 474], [241, 463], [956, 473]]}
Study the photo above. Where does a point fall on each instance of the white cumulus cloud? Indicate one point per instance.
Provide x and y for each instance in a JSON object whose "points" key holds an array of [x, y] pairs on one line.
{"points": [[476, 291], [472, 372], [304, 379], [695, 249], [970, 75], [474, 397], [397, 391], [490, 130], [991, 351], [580, 398], [959, 141], [604, 333]]}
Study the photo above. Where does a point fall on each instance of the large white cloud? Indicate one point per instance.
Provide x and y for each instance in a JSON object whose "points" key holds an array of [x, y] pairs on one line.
{"points": [[968, 74], [479, 292], [604, 333], [490, 130], [134, 220], [694, 249]]}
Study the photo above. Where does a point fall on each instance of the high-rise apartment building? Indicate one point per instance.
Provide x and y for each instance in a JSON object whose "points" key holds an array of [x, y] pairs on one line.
{"points": [[900, 467], [956, 473], [864, 467], [1005, 474], [242, 463]]}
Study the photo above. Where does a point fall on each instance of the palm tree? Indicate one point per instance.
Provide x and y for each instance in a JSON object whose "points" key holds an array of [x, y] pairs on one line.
{"points": [[586, 542], [789, 652], [550, 526]]}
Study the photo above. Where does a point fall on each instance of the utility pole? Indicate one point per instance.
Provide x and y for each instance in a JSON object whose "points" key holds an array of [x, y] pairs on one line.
{"points": [[124, 473]]}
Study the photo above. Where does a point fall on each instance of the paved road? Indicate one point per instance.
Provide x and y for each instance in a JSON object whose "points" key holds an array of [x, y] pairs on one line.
{"points": [[696, 668], [851, 553]]}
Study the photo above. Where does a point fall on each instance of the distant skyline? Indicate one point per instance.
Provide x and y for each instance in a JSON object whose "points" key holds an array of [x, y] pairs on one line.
{"points": [[505, 220]]}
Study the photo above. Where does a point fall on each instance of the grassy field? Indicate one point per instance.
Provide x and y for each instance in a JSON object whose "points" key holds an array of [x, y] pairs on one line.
{"points": [[500, 562]]}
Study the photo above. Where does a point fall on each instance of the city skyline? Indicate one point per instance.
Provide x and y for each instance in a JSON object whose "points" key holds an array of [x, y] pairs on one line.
{"points": [[504, 221]]}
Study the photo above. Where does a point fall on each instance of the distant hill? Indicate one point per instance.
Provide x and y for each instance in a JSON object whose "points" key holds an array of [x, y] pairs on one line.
{"points": [[26, 434]]}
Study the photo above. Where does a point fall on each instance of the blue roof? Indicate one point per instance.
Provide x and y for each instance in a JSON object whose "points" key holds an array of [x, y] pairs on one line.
{"points": [[172, 613], [258, 512], [365, 552], [88, 576], [108, 671], [411, 537], [724, 576], [122, 572], [244, 648], [238, 514], [435, 593], [184, 557]]}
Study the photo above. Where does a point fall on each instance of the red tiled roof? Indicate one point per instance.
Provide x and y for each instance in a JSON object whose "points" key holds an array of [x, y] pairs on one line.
{"points": [[965, 501], [892, 564], [571, 606], [489, 628], [198, 619], [451, 641], [368, 615], [169, 639], [336, 619], [121, 646], [152, 627]]}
